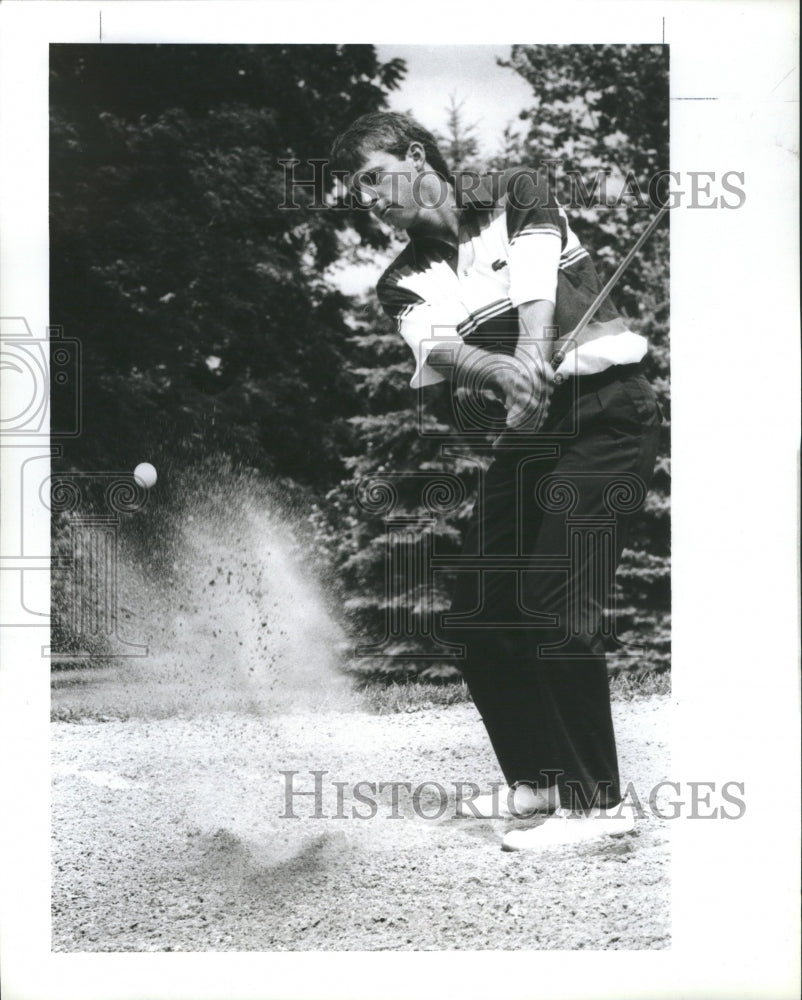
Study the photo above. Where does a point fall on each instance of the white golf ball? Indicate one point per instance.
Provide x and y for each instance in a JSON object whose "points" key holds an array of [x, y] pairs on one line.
{"points": [[145, 474]]}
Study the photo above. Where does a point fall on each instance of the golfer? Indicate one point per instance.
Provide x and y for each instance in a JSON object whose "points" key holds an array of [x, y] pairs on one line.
{"points": [[487, 293]]}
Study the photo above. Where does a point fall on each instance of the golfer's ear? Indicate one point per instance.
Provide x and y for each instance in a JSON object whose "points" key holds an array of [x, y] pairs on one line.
{"points": [[417, 154]]}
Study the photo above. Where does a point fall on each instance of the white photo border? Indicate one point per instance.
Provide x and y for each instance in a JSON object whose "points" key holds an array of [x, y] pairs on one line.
{"points": [[735, 390]]}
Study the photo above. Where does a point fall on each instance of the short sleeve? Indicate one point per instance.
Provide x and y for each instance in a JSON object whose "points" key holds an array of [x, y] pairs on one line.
{"points": [[536, 230], [423, 327]]}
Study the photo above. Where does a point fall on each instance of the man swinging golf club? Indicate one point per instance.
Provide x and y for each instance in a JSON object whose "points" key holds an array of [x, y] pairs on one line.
{"points": [[495, 292]]}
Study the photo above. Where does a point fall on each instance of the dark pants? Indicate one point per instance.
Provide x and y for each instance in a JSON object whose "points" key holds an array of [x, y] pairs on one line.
{"points": [[547, 534]]}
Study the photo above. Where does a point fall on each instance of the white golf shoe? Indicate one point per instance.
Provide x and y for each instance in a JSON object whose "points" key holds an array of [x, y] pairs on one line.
{"points": [[564, 828]]}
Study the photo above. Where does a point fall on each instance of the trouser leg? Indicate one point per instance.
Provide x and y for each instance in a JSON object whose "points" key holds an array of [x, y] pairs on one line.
{"points": [[542, 689]]}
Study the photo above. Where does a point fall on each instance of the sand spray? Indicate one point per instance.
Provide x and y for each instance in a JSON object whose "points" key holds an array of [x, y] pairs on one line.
{"points": [[220, 586]]}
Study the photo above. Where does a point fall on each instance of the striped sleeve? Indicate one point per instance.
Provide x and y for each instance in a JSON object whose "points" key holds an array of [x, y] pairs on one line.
{"points": [[423, 327], [536, 231]]}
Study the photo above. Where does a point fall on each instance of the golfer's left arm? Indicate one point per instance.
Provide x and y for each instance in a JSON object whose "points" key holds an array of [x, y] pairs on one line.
{"points": [[528, 387], [536, 231], [536, 332]]}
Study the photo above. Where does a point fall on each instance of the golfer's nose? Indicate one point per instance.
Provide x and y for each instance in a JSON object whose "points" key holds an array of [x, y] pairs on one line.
{"points": [[367, 196]]}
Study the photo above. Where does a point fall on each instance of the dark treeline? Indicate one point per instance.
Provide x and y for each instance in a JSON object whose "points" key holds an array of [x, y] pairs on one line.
{"points": [[207, 324], [204, 321]]}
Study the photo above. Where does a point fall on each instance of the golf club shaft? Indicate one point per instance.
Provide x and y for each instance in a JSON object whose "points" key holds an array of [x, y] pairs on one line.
{"points": [[559, 355]]}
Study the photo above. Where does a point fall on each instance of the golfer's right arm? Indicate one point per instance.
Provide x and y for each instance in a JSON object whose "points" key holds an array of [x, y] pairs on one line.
{"points": [[440, 353]]}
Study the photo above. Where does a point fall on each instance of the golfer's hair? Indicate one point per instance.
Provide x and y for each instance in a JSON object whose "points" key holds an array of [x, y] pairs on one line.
{"points": [[387, 131]]}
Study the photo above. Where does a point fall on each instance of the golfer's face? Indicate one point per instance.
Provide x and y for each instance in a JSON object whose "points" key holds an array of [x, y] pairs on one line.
{"points": [[386, 185]]}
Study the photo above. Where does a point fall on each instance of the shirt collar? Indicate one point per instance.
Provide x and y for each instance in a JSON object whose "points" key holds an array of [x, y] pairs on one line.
{"points": [[475, 192]]}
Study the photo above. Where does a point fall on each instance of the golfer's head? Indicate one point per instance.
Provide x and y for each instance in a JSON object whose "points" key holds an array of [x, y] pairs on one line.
{"points": [[392, 165]]}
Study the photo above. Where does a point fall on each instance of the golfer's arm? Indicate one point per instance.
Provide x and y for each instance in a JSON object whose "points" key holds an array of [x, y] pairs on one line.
{"points": [[536, 331], [467, 365], [536, 336]]}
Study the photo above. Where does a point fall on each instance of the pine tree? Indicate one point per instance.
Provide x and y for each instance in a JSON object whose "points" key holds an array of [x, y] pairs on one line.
{"points": [[459, 143]]}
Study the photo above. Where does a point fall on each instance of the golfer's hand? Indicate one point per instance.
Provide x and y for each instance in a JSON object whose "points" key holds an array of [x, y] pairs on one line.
{"points": [[525, 388]]}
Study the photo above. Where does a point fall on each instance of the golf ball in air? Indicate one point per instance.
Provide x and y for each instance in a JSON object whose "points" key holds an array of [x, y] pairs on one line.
{"points": [[145, 474]]}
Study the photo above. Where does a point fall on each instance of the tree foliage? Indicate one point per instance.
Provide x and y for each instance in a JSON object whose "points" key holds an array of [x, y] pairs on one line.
{"points": [[197, 297], [460, 142]]}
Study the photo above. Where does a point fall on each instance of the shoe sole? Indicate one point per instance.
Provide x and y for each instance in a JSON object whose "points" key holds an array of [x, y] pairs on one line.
{"points": [[568, 843]]}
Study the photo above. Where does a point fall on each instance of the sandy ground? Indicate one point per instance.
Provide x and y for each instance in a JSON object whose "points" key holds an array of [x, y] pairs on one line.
{"points": [[169, 835]]}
